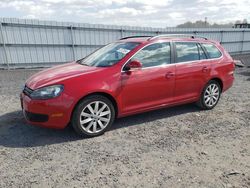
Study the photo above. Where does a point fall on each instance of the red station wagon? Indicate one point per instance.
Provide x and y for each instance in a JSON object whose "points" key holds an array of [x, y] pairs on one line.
{"points": [[133, 75]]}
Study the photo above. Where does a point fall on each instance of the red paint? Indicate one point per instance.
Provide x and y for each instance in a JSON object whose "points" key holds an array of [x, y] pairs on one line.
{"points": [[136, 91]]}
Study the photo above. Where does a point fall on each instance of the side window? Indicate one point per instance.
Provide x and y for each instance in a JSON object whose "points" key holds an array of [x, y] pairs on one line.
{"points": [[212, 51], [202, 54], [154, 55], [186, 51]]}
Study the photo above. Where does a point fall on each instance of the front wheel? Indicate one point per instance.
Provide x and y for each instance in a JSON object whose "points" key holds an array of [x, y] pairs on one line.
{"points": [[210, 95], [93, 116]]}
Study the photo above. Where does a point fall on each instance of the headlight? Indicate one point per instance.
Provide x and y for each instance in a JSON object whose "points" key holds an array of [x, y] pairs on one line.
{"points": [[47, 92]]}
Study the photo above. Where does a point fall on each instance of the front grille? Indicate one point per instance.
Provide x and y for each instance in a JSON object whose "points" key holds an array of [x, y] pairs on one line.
{"points": [[36, 117], [27, 91]]}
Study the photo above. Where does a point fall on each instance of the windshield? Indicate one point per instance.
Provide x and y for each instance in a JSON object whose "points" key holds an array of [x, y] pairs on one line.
{"points": [[109, 55]]}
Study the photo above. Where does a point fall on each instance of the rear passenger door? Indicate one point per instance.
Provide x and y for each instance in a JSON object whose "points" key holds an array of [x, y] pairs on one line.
{"points": [[192, 70]]}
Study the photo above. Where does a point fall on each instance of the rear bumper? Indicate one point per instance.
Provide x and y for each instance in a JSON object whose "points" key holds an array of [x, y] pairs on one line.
{"points": [[228, 83], [52, 113]]}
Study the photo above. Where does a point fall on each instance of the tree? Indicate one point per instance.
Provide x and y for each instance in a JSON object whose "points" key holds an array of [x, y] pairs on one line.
{"points": [[244, 21], [204, 24]]}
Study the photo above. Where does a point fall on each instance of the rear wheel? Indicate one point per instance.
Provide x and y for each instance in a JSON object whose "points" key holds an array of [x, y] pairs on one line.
{"points": [[93, 116], [210, 95]]}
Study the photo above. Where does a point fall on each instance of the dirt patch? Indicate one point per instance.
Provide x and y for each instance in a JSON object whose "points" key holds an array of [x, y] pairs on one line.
{"points": [[175, 147]]}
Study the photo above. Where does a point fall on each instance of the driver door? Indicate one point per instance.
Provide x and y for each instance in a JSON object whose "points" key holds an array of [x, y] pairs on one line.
{"points": [[152, 85]]}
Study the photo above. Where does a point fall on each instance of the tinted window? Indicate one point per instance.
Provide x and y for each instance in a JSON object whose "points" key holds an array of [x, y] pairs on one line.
{"points": [[212, 51], [186, 51], [202, 54], [154, 55]]}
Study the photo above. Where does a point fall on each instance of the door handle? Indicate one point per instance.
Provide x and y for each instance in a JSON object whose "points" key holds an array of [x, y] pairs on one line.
{"points": [[205, 69], [169, 75]]}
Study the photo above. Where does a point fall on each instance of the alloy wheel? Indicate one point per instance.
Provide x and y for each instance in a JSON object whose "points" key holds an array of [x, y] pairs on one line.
{"points": [[95, 116], [211, 95]]}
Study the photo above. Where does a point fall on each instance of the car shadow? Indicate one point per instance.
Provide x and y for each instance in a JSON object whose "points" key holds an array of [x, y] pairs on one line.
{"points": [[154, 115], [245, 72], [16, 133]]}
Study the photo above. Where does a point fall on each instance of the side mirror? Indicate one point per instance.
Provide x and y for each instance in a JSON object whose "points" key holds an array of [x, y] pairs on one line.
{"points": [[134, 64]]}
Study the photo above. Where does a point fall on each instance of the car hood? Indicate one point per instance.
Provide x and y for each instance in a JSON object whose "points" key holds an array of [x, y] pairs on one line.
{"points": [[57, 74]]}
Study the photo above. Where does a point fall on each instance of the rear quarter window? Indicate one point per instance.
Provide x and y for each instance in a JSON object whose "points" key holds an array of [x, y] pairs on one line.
{"points": [[213, 51]]}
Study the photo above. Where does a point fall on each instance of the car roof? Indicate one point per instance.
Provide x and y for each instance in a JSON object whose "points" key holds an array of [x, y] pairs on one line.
{"points": [[171, 37]]}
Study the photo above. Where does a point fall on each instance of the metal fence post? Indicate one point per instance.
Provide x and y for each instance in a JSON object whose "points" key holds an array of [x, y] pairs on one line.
{"points": [[242, 42], [122, 32], [221, 36], [157, 32], [72, 42], [4, 46]]}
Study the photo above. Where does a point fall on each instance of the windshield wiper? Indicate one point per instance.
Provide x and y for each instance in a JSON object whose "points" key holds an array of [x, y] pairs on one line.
{"points": [[84, 64], [80, 62]]}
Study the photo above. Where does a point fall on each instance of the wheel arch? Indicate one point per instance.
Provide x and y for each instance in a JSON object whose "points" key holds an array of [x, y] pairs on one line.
{"points": [[107, 95], [219, 81]]}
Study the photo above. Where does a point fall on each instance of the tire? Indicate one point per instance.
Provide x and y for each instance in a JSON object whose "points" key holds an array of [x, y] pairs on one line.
{"points": [[210, 95], [93, 116]]}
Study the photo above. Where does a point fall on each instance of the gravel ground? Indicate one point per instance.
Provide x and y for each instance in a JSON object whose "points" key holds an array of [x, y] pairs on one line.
{"points": [[175, 147]]}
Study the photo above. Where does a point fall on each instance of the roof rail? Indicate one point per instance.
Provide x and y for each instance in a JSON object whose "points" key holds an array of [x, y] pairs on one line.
{"points": [[176, 35], [141, 36]]}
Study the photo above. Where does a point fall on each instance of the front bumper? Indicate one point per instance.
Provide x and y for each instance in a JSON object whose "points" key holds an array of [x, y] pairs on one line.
{"points": [[33, 117], [51, 113]]}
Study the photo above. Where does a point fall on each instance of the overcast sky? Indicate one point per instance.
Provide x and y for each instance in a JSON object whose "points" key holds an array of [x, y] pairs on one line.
{"points": [[152, 13]]}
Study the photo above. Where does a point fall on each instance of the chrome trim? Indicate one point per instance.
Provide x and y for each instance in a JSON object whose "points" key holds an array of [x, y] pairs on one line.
{"points": [[157, 66], [205, 49], [222, 55]]}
